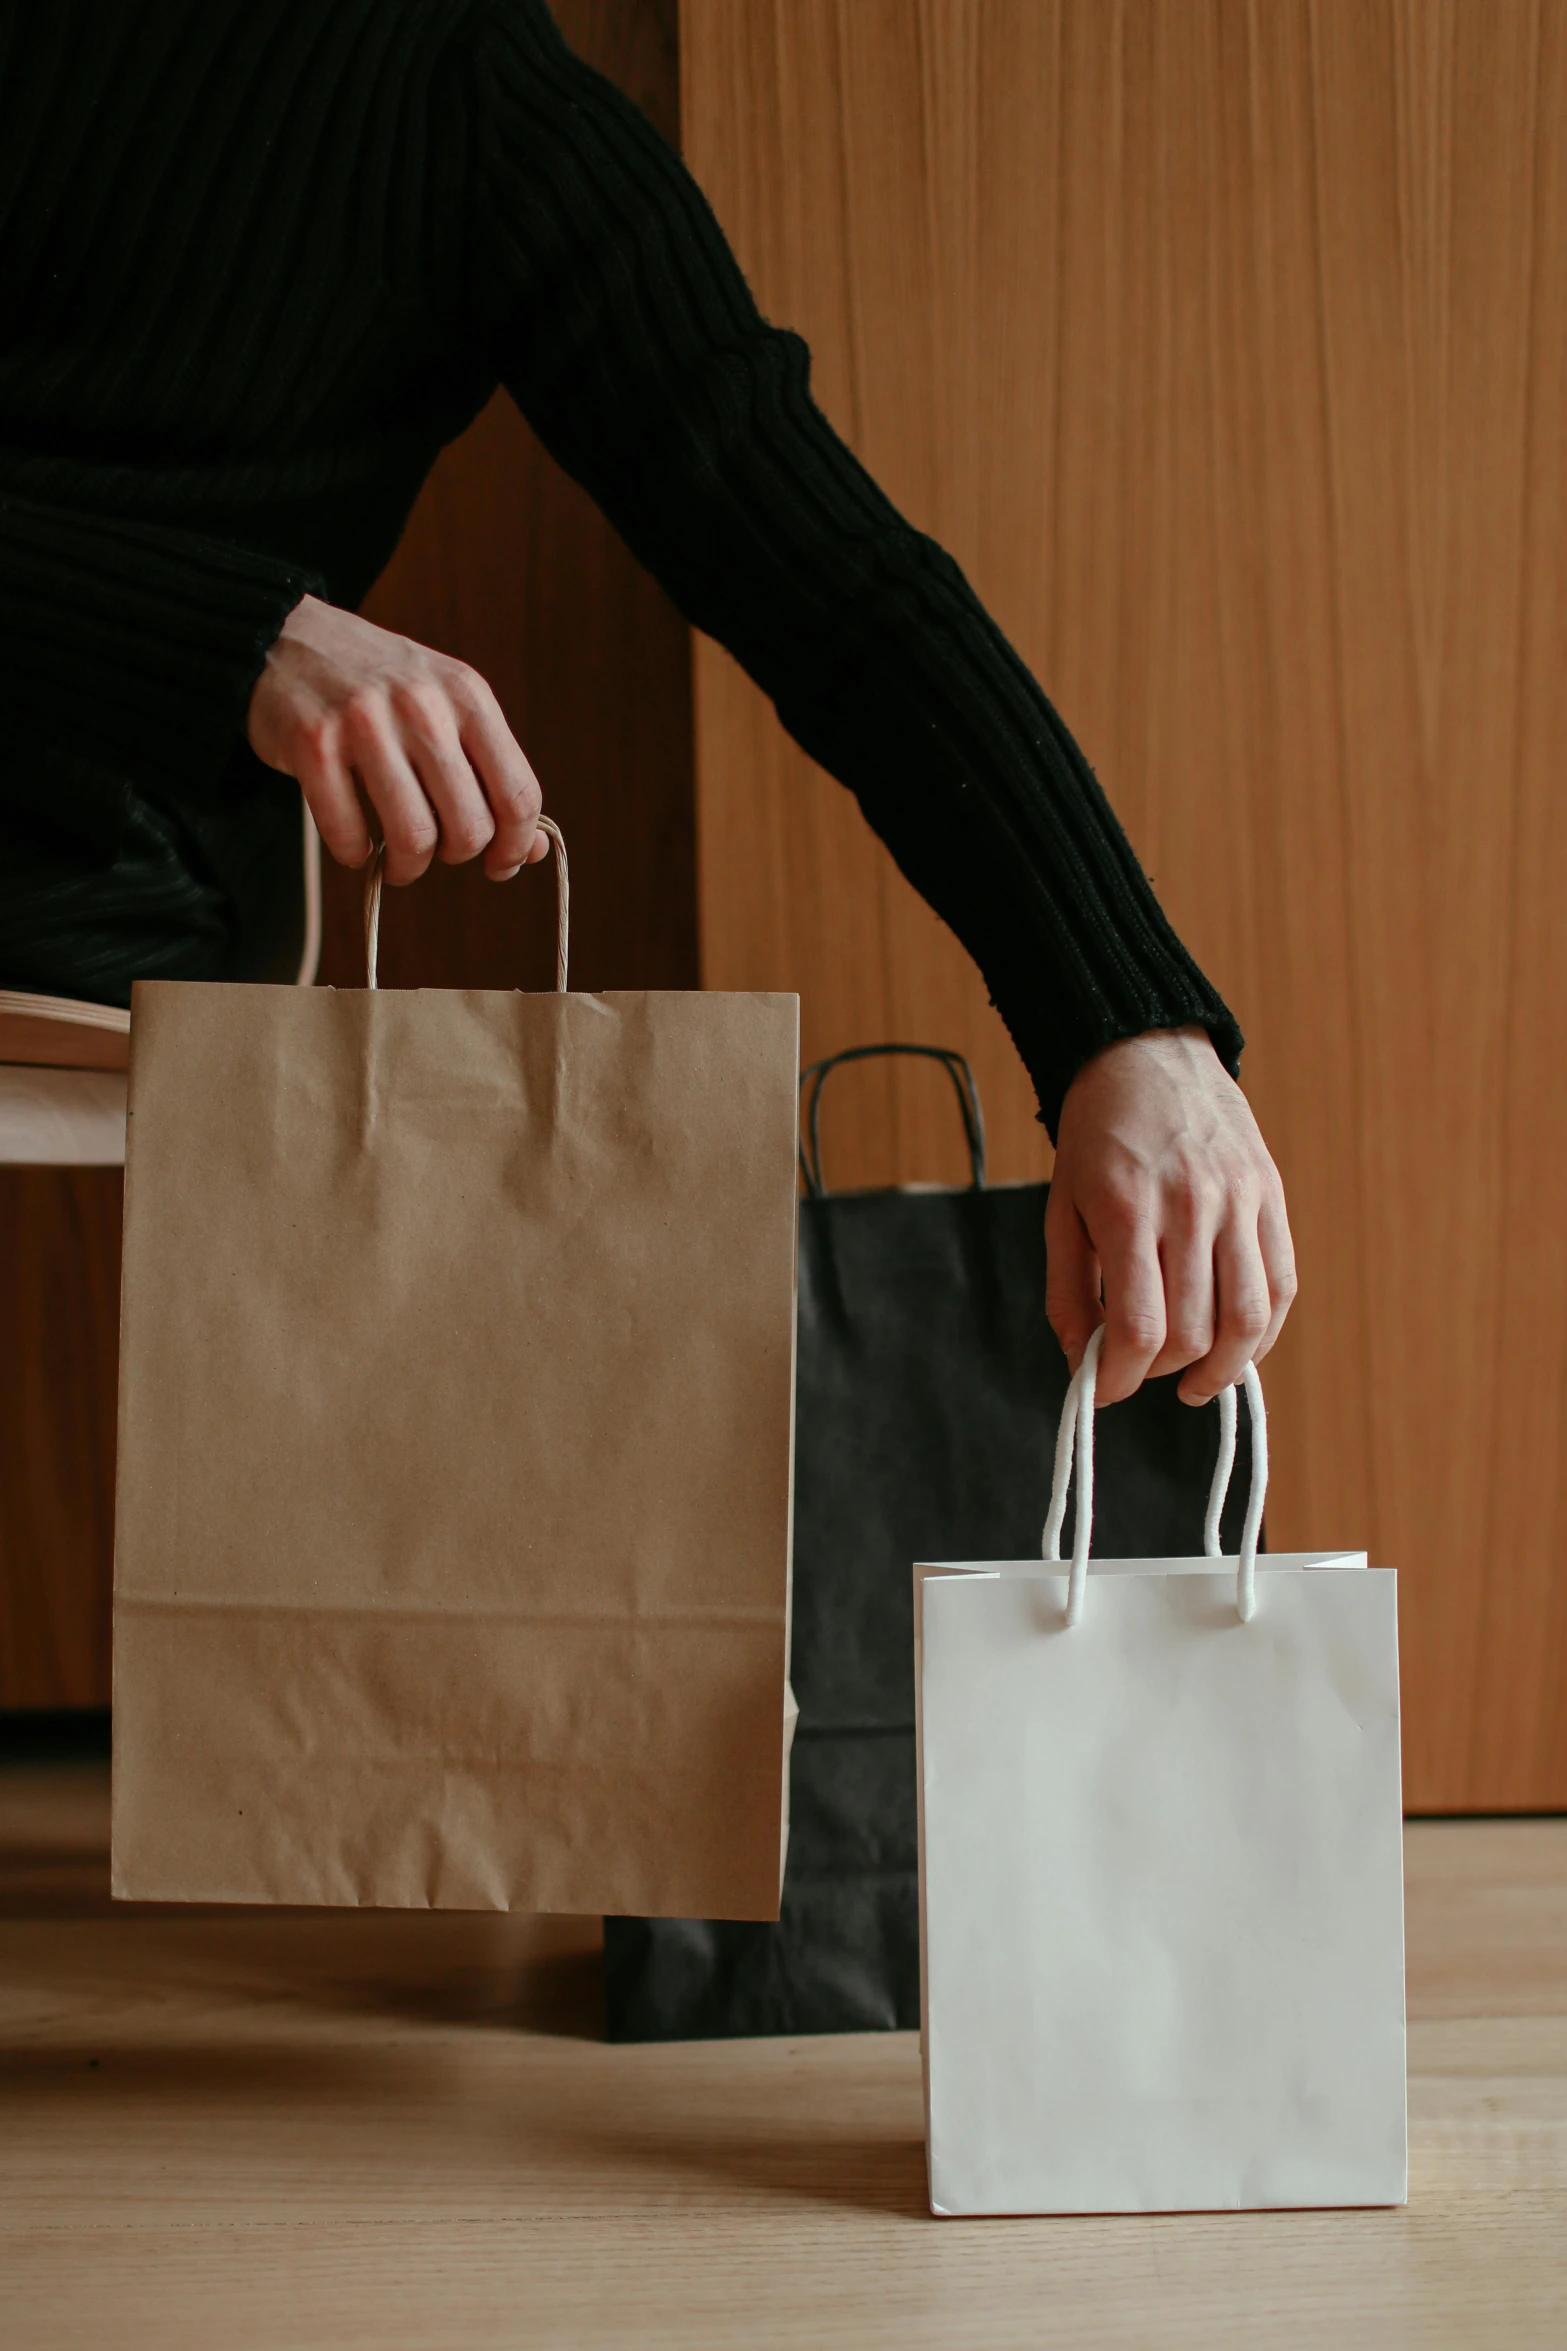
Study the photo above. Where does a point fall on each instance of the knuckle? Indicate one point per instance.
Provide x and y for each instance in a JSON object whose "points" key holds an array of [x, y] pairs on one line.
{"points": [[362, 713], [1194, 1200], [1142, 1330], [317, 737], [465, 836], [411, 833], [465, 685], [343, 843], [1250, 1314], [519, 804], [418, 702], [1122, 1211], [1239, 1198], [1191, 1336]]}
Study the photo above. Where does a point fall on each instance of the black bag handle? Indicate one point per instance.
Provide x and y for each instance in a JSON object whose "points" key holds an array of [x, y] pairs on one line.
{"points": [[810, 1145]]}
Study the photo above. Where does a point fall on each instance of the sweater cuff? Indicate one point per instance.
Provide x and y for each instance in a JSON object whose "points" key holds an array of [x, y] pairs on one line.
{"points": [[138, 643], [1053, 1061]]}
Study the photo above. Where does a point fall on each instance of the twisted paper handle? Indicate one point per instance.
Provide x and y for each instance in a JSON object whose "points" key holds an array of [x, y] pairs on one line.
{"points": [[562, 906]]}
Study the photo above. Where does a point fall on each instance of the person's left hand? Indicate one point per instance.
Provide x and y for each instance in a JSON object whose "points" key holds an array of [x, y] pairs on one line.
{"points": [[1166, 1220]]}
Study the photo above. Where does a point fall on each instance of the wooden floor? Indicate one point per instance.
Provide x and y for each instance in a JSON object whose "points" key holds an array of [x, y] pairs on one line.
{"points": [[238, 2129]]}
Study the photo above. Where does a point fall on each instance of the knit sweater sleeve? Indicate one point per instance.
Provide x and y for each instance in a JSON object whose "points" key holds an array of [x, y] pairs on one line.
{"points": [[147, 638], [624, 328]]}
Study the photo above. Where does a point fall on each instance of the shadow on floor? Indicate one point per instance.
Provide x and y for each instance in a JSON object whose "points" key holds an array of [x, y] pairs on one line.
{"points": [[881, 2176]]}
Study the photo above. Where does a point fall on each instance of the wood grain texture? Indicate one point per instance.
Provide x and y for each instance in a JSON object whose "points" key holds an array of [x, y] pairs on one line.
{"points": [[1226, 347], [59, 1311], [260, 2129]]}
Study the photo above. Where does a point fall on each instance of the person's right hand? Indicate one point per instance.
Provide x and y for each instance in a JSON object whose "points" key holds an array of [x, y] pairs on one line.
{"points": [[347, 707]]}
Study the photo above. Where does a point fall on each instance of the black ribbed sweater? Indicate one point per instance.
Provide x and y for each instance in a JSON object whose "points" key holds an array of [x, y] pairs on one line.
{"points": [[261, 259]]}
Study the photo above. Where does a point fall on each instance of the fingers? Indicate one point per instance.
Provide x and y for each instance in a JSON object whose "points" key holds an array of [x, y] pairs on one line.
{"points": [[427, 729], [416, 748], [409, 827], [1244, 1310], [1278, 1258], [510, 786], [1189, 1216], [328, 787], [1185, 1283], [1125, 1235], [1071, 1275]]}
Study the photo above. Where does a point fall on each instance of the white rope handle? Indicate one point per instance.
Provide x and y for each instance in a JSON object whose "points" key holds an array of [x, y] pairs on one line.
{"points": [[1077, 1420], [548, 825], [1251, 1531], [1076, 1434], [1223, 1469]]}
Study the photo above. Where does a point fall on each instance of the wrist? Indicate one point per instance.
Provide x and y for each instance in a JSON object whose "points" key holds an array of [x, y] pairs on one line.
{"points": [[1177, 1048], [264, 709]]}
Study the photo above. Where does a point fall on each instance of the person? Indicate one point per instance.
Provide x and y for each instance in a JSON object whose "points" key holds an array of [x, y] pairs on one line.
{"points": [[262, 260]]}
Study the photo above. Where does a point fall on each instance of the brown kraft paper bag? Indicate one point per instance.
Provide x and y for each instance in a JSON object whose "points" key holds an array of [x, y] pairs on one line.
{"points": [[456, 1429]]}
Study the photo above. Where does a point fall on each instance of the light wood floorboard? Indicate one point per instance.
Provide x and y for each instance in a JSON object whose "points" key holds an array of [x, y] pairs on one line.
{"points": [[272, 2131]]}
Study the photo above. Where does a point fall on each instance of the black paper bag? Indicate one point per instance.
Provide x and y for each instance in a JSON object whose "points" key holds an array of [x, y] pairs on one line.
{"points": [[929, 1387]]}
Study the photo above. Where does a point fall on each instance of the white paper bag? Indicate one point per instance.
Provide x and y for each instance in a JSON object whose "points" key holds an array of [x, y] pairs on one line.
{"points": [[1161, 1871]]}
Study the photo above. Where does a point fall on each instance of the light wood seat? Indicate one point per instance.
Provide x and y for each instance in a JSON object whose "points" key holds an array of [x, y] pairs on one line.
{"points": [[61, 1032], [62, 1081]]}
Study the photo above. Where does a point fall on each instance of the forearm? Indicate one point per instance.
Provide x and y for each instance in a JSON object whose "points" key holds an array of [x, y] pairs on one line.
{"points": [[626, 331], [967, 773]]}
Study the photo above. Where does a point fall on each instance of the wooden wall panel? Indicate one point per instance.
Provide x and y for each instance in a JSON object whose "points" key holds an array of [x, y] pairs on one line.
{"points": [[1224, 345]]}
